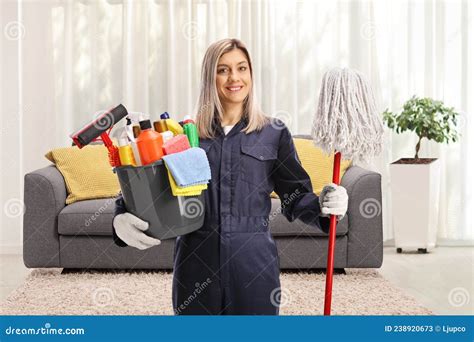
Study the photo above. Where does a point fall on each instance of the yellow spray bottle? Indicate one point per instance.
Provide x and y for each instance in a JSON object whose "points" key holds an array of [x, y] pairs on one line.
{"points": [[126, 152]]}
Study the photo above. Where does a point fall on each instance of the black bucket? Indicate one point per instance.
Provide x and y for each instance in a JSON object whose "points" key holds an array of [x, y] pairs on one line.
{"points": [[147, 194]]}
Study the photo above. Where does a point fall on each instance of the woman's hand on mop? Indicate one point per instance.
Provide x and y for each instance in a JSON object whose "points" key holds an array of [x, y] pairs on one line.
{"points": [[333, 200], [131, 230]]}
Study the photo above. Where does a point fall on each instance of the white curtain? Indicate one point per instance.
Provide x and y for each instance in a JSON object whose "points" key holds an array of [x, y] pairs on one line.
{"points": [[62, 61], [426, 48]]}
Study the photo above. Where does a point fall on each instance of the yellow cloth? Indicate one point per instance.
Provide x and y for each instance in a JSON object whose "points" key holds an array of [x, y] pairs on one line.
{"points": [[192, 190], [317, 164], [87, 172]]}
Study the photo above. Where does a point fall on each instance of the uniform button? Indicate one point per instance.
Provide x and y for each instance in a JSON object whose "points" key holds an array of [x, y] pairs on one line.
{"points": [[225, 139], [261, 157]]}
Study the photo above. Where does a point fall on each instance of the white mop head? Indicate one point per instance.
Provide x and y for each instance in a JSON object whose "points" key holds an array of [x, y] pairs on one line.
{"points": [[347, 119]]}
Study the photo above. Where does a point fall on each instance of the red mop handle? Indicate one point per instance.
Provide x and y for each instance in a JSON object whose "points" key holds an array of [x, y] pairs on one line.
{"points": [[332, 240]]}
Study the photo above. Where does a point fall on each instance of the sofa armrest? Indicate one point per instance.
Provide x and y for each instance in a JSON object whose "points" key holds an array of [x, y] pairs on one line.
{"points": [[365, 233], [44, 196]]}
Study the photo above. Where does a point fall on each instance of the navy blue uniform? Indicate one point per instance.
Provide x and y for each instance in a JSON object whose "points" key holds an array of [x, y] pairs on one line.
{"points": [[230, 265]]}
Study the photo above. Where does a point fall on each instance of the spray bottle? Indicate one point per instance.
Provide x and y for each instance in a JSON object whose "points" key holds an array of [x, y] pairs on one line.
{"points": [[133, 119], [191, 132], [125, 150], [133, 131]]}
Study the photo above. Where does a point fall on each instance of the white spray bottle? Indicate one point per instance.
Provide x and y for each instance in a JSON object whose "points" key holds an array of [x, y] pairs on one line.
{"points": [[133, 118]]}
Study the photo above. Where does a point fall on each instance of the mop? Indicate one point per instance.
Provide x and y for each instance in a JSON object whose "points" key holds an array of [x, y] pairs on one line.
{"points": [[347, 124]]}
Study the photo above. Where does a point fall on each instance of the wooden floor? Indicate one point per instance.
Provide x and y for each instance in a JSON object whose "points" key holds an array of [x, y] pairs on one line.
{"points": [[441, 280]]}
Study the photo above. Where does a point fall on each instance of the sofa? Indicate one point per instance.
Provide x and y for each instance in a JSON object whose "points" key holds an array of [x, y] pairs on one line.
{"points": [[79, 235]]}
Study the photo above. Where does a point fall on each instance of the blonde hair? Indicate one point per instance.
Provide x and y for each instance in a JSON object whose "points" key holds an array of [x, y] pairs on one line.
{"points": [[209, 107]]}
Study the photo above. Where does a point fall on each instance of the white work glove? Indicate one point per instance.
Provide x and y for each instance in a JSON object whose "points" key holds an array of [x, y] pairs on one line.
{"points": [[333, 200], [130, 229]]}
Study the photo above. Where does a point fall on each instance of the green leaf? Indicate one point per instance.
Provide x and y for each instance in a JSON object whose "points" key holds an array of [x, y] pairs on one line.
{"points": [[426, 118]]}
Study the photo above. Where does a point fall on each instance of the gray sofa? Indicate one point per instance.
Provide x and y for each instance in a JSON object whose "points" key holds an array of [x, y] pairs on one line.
{"points": [[79, 235]]}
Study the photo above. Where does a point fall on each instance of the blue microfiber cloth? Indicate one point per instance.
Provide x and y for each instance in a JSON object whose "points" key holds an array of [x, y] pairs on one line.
{"points": [[189, 167]]}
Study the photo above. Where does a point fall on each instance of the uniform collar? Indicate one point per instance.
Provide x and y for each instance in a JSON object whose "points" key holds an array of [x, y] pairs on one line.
{"points": [[219, 130]]}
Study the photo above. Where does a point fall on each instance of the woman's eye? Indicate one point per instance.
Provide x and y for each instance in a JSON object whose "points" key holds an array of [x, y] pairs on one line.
{"points": [[243, 68], [221, 71]]}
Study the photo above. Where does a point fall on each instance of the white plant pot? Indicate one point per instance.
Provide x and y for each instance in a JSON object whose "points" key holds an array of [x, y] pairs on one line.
{"points": [[415, 204]]}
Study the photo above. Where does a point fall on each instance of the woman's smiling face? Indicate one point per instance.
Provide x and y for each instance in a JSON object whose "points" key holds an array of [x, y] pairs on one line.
{"points": [[233, 78]]}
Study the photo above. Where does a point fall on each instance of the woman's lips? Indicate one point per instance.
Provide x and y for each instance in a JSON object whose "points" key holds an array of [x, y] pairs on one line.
{"points": [[234, 89]]}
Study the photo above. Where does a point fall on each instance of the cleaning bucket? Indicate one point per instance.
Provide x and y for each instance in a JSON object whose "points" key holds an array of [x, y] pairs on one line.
{"points": [[147, 194]]}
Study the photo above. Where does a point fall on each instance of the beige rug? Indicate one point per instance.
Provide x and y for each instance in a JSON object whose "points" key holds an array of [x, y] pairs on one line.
{"points": [[48, 292]]}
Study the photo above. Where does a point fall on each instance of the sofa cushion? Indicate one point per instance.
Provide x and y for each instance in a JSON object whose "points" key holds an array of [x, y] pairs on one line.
{"points": [[279, 225], [317, 163], [90, 217], [94, 217], [87, 172]]}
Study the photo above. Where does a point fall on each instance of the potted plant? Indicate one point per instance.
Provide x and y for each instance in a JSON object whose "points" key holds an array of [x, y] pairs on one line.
{"points": [[415, 181]]}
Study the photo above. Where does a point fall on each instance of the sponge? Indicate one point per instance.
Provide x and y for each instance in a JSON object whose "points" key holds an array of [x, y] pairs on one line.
{"points": [[177, 143]]}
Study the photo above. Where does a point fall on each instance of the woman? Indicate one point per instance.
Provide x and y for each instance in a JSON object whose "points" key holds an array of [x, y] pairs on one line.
{"points": [[232, 260]]}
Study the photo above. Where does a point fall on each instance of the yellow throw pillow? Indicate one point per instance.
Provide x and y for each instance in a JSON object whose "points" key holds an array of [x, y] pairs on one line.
{"points": [[317, 164], [86, 171]]}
